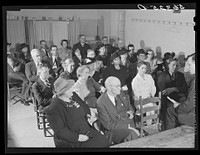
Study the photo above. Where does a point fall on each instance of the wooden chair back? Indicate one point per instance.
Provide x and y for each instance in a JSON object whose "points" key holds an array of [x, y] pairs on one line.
{"points": [[154, 127]]}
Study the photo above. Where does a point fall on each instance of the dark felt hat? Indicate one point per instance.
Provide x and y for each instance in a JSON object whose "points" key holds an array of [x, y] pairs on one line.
{"points": [[123, 51], [8, 43], [141, 51], [114, 55], [23, 45]]}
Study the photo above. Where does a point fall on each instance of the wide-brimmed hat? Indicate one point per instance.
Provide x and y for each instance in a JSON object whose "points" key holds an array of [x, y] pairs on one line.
{"points": [[8, 43], [61, 85], [23, 45], [114, 55]]}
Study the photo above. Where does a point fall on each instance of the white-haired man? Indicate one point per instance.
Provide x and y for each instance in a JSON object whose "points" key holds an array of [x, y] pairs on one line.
{"points": [[31, 67], [115, 113]]}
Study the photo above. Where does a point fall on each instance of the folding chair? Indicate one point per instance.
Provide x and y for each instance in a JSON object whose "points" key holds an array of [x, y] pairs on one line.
{"points": [[155, 126], [42, 122], [14, 87]]}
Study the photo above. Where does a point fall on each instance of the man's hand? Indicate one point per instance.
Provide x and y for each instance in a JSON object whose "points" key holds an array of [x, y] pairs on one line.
{"points": [[91, 119], [82, 138], [136, 131], [16, 69], [168, 91], [176, 104]]}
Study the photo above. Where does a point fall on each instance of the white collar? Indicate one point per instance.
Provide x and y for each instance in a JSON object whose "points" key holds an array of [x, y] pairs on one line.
{"points": [[112, 98]]}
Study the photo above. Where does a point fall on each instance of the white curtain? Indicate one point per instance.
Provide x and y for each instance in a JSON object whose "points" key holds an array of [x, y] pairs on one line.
{"points": [[32, 34], [59, 31], [43, 31], [74, 31], [16, 32]]}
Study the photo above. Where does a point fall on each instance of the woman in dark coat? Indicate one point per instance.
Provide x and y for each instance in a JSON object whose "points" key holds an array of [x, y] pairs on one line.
{"points": [[171, 83], [69, 117]]}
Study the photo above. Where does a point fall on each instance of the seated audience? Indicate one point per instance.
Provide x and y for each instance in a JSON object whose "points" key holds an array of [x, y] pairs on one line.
{"points": [[43, 87], [90, 56], [125, 62], [24, 56], [68, 71], [82, 46], [76, 56], [55, 60], [69, 117], [84, 72], [115, 113], [120, 45], [44, 50], [31, 68], [117, 70], [171, 83], [132, 55], [102, 55], [183, 112], [14, 75], [97, 68], [141, 56], [150, 58], [65, 51], [143, 85], [109, 48]]}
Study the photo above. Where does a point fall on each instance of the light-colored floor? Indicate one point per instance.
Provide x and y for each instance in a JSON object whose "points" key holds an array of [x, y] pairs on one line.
{"points": [[22, 128]]}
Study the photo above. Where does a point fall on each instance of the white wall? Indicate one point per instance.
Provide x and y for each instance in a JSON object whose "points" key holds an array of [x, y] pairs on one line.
{"points": [[55, 13], [163, 37]]}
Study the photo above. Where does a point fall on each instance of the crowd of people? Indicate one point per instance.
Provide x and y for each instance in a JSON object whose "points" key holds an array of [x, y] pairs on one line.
{"points": [[89, 95]]}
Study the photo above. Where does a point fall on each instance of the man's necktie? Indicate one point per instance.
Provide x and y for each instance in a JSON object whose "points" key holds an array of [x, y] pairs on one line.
{"points": [[116, 102], [47, 83]]}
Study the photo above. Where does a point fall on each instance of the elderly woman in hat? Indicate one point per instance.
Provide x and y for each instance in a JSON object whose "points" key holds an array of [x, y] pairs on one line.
{"points": [[69, 117], [117, 70]]}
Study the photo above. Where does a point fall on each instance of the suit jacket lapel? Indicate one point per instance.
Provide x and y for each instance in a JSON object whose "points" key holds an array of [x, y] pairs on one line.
{"points": [[42, 85], [109, 105]]}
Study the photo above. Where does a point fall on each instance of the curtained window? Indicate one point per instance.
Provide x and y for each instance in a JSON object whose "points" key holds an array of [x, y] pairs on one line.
{"points": [[59, 31], [16, 31]]}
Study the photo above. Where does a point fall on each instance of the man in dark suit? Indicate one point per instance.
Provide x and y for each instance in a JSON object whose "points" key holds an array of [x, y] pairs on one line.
{"points": [[44, 50], [115, 113], [184, 112], [109, 47], [82, 46], [14, 75], [171, 83], [43, 87], [31, 67], [55, 60]]}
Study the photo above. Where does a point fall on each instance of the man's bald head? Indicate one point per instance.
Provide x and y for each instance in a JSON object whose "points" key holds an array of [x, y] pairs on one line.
{"points": [[113, 85]]}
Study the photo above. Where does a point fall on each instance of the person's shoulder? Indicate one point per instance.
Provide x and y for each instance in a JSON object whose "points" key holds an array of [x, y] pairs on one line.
{"points": [[101, 99], [76, 44], [179, 73], [30, 63]]}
